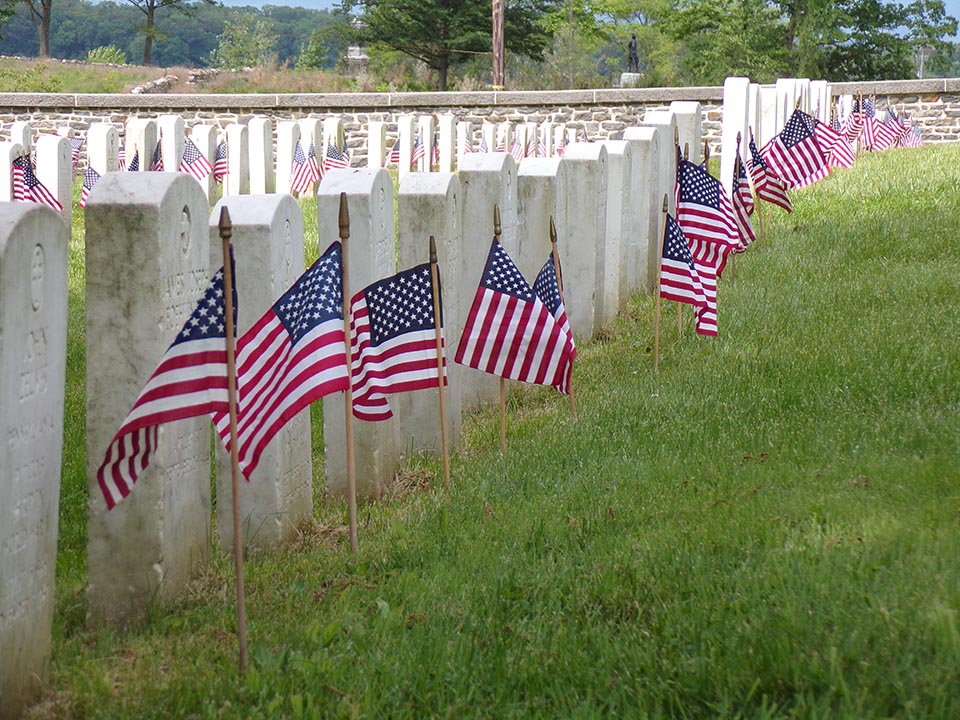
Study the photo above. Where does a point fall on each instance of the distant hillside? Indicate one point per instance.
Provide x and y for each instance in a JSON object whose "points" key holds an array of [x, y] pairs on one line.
{"points": [[309, 4]]}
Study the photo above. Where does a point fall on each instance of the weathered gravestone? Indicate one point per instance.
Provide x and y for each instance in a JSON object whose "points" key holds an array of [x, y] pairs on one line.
{"points": [[583, 258], [371, 256], [33, 336], [446, 136], [613, 290], [147, 254], [736, 104], [140, 141], [689, 128], [55, 172], [430, 204], [540, 197], [268, 251], [9, 151], [647, 199], [487, 180], [288, 135], [262, 177], [237, 181]]}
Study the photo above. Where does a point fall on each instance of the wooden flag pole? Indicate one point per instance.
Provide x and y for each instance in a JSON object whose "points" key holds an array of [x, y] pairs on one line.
{"points": [[759, 207], [656, 315], [503, 381], [435, 279], [226, 232], [556, 271], [706, 154], [663, 228], [344, 223]]}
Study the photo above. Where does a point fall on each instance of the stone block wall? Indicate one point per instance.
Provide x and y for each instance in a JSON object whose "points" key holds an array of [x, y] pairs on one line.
{"points": [[601, 114]]}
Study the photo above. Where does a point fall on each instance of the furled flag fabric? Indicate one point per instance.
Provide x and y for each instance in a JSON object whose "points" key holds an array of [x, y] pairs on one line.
{"points": [[531, 150], [194, 162], [679, 279], [483, 145], [293, 355], [90, 178], [418, 150], [304, 174], [852, 124], [75, 144], [742, 201], [156, 163], [547, 288], [313, 165], [134, 165], [709, 259], [122, 160], [394, 155], [768, 185], [18, 191], [466, 145], [32, 189], [703, 209], [509, 332], [335, 159], [190, 380], [220, 164], [541, 149], [516, 149], [393, 340], [794, 154]]}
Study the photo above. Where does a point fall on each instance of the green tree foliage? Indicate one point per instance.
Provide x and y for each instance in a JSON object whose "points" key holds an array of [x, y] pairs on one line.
{"points": [[149, 27], [246, 42], [445, 33]]}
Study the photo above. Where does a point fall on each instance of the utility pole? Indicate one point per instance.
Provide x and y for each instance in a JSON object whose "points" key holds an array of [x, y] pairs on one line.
{"points": [[498, 44]]}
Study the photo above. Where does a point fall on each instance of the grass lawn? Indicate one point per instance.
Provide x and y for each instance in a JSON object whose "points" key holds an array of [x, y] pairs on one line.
{"points": [[768, 528]]}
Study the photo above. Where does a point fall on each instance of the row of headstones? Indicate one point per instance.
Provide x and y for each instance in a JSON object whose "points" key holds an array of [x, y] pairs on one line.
{"points": [[151, 242]]}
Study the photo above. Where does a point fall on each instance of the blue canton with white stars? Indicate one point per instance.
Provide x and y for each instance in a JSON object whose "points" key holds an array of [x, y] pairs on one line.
{"points": [[208, 320], [501, 275], [795, 131], [315, 298], [546, 286], [675, 245], [697, 185], [400, 304]]}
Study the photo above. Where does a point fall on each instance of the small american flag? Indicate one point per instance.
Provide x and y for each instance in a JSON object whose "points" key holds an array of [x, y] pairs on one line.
{"points": [[30, 187], [418, 151], [679, 279], [767, 184], [710, 259], [742, 202], [547, 288], [517, 150], [156, 163], [194, 163], [393, 340], [90, 178], [531, 150], [75, 144], [703, 210], [335, 159], [294, 354], [509, 332], [121, 160], [466, 145], [190, 380], [316, 167], [220, 164], [795, 155], [541, 150], [134, 165], [483, 145], [394, 155], [304, 175]]}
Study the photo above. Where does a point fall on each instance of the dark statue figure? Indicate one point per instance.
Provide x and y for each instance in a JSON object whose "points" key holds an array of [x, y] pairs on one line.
{"points": [[633, 60]]}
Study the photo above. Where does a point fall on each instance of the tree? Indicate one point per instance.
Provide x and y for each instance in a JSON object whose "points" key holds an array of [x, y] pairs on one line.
{"points": [[444, 33], [149, 9], [247, 42], [40, 12]]}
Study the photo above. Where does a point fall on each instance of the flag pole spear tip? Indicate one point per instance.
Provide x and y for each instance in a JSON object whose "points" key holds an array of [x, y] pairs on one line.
{"points": [[553, 231], [739, 137], [433, 250], [686, 151], [496, 220], [344, 217], [225, 226], [664, 202]]}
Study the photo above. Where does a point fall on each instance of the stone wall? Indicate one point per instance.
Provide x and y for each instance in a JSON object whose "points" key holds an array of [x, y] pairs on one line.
{"points": [[602, 114]]}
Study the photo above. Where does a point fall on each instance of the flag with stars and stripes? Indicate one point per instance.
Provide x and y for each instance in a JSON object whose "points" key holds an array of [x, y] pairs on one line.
{"points": [[766, 183], [122, 160], [742, 202], [27, 185], [156, 162], [547, 288], [419, 151], [220, 165], [509, 332], [75, 144], [394, 155], [466, 145], [304, 174], [335, 158], [294, 354], [679, 279], [709, 259], [703, 209], [483, 145], [517, 149], [393, 340], [190, 380], [194, 163], [134, 165], [795, 155], [90, 178], [541, 150]]}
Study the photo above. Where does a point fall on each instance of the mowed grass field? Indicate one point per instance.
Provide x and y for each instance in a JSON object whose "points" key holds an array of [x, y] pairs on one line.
{"points": [[768, 528]]}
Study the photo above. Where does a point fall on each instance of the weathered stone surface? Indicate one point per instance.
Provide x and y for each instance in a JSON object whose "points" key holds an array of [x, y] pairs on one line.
{"points": [[33, 324], [147, 237]]}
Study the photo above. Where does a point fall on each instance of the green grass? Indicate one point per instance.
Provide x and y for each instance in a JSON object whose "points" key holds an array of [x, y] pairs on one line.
{"points": [[769, 528]]}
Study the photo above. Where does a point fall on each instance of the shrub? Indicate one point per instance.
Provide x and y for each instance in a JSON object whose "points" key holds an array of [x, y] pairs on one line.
{"points": [[107, 54]]}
